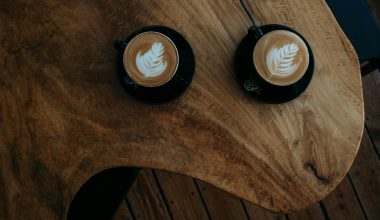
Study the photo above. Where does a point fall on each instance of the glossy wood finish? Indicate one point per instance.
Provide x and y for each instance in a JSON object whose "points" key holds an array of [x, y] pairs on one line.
{"points": [[64, 116]]}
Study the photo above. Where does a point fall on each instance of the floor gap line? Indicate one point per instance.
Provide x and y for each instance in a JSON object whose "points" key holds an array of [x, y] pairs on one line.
{"points": [[202, 198], [162, 195], [245, 209], [357, 196], [131, 210], [324, 211], [287, 216]]}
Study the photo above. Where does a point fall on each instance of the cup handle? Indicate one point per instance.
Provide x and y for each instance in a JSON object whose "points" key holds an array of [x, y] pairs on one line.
{"points": [[256, 32]]}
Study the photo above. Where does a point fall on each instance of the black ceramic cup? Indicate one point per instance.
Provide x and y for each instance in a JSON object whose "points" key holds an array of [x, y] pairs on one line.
{"points": [[253, 83], [171, 89]]}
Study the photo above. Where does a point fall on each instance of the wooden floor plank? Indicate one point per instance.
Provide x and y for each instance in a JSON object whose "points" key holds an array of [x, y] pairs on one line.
{"points": [[256, 212], [123, 212], [371, 88], [365, 175], [182, 195], [221, 205], [145, 198], [313, 213], [342, 203]]}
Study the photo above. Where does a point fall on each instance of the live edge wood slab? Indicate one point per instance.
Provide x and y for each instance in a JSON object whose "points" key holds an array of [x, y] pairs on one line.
{"points": [[65, 117]]}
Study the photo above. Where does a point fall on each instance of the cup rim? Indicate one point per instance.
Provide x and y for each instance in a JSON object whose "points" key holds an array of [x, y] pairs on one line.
{"points": [[245, 69], [163, 35], [176, 86], [274, 83]]}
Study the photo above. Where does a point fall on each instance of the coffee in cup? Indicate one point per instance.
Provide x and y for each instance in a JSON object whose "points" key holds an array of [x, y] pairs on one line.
{"points": [[151, 59], [274, 63], [281, 57], [155, 64]]}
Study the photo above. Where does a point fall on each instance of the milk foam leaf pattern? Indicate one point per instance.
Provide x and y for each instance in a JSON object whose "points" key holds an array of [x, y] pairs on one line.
{"points": [[152, 63], [280, 61]]}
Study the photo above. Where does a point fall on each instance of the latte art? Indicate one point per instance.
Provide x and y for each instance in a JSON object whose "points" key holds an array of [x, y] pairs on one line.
{"points": [[280, 61], [281, 57], [152, 63], [150, 59]]}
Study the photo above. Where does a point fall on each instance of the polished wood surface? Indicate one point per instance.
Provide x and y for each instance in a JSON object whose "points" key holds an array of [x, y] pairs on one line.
{"points": [[64, 116], [356, 197]]}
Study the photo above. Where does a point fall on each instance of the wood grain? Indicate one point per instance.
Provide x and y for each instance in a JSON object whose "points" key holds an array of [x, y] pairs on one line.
{"points": [[365, 174], [313, 213], [342, 202], [123, 213], [145, 198], [64, 116], [371, 86], [182, 196], [256, 212], [221, 205]]}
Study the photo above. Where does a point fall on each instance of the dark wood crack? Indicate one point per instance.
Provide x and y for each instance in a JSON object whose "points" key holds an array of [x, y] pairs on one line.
{"points": [[312, 167]]}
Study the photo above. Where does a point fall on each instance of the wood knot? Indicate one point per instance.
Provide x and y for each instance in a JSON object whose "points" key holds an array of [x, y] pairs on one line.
{"points": [[311, 166]]}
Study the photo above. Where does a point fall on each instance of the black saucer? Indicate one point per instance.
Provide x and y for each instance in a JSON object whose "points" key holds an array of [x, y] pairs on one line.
{"points": [[253, 84], [172, 89]]}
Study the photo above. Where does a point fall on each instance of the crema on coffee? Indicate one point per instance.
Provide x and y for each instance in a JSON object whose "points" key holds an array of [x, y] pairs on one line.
{"points": [[281, 57], [151, 59]]}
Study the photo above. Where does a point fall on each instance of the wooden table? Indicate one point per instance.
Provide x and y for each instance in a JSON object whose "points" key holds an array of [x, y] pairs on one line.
{"points": [[65, 117]]}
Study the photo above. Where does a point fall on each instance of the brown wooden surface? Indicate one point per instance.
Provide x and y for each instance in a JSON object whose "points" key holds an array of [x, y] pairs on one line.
{"points": [[354, 198], [313, 213], [255, 212], [145, 198], [365, 174], [64, 116], [123, 212], [182, 196], [365, 171], [371, 86], [221, 205], [336, 202]]}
